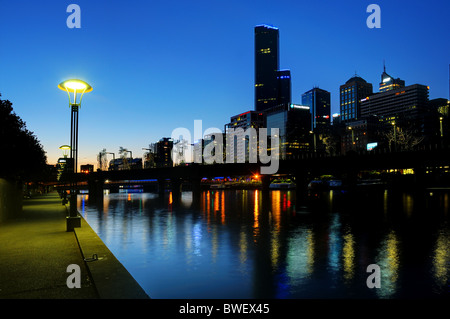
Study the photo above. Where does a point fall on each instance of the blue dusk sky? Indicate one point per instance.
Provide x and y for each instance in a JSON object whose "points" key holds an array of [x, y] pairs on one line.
{"points": [[159, 65]]}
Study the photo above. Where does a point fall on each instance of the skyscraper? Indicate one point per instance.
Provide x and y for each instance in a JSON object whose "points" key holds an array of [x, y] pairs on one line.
{"points": [[409, 103], [284, 87], [266, 67], [318, 101], [241, 144], [351, 93], [389, 83], [164, 152], [294, 124]]}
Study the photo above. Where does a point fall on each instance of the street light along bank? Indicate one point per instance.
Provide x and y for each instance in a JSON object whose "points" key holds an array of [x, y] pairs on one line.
{"points": [[74, 86]]}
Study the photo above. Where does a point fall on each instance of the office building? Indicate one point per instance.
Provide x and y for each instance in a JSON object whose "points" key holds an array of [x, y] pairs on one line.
{"points": [[241, 138], [318, 101], [284, 87], [406, 103], [245, 120], [266, 67], [441, 108], [294, 124], [88, 168], [360, 135], [389, 83], [351, 93], [164, 152]]}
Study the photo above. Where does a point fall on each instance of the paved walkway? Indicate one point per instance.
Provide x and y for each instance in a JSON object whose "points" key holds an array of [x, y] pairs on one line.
{"points": [[36, 249]]}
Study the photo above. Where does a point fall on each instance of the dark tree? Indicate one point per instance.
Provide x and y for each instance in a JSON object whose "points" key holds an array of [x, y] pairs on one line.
{"points": [[22, 157]]}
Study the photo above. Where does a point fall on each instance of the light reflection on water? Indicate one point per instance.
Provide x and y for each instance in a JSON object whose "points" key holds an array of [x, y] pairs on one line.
{"points": [[242, 244]]}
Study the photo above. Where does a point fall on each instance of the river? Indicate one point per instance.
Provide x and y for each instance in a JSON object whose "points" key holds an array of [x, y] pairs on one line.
{"points": [[246, 244]]}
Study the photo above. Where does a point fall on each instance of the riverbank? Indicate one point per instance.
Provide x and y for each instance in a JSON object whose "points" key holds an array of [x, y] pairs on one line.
{"points": [[36, 251]]}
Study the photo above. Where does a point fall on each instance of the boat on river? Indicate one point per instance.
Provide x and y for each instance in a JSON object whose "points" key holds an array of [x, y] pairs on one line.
{"points": [[281, 184]]}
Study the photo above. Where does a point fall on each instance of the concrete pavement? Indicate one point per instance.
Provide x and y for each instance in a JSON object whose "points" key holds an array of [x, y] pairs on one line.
{"points": [[36, 249]]}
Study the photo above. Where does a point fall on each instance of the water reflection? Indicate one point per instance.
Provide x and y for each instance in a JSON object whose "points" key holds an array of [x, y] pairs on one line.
{"points": [[250, 244], [256, 216], [389, 262], [334, 247], [441, 259], [300, 259], [348, 256]]}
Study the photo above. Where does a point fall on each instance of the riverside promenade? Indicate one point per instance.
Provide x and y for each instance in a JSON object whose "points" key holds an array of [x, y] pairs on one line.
{"points": [[36, 249]]}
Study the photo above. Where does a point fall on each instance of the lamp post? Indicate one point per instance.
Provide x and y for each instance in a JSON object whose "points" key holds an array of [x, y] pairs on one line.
{"points": [[395, 136], [314, 140], [63, 163], [75, 87], [353, 137]]}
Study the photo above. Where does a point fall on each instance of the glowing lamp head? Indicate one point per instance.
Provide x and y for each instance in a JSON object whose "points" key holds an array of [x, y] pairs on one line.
{"points": [[65, 149], [75, 86]]}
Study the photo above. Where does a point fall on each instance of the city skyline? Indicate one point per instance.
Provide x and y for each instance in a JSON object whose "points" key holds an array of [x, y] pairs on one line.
{"points": [[145, 89]]}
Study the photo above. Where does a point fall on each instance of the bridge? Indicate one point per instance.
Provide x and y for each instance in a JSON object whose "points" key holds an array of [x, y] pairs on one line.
{"points": [[302, 169]]}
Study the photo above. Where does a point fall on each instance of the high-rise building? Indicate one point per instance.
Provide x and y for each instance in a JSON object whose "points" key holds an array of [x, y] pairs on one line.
{"points": [[266, 67], [318, 101], [294, 124], [389, 83], [164, 152], [241, 138], [409, 102], [284, 87], [245, 120], [351, 93]]}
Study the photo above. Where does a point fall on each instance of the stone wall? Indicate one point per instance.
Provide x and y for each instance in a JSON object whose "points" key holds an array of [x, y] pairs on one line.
{"points": [[11, 197]]}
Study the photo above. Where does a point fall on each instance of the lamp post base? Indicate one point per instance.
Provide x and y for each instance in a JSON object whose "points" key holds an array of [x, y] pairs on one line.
{"points": [[73, 222]]}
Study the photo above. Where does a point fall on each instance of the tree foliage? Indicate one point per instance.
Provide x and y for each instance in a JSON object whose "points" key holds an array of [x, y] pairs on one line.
{"points": [[403, 139], [102, 160], [22, 156], [123, 152]]}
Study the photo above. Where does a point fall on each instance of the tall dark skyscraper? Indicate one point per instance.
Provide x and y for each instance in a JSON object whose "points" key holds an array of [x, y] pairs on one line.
{"points": [[294, 124], [266, 67], [318, 101], [351, 93], [284, 87]]}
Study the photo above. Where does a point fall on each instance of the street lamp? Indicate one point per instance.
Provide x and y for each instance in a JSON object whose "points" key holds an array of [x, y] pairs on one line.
{"points": [[75, 87], [353, 136], [314, 139], [65, 149], [63, 163], [395, 135]]}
